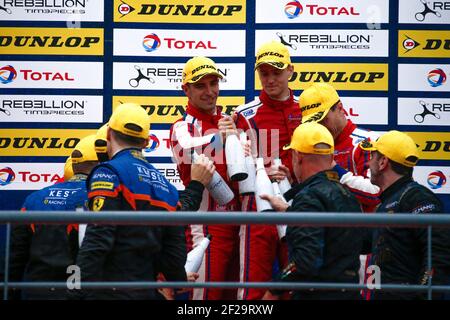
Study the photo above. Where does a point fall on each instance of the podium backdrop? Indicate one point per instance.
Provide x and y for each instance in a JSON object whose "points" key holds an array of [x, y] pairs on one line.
{"points": [[66, 64]]}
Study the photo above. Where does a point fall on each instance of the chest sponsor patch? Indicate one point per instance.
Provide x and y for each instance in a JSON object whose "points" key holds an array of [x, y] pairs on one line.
{"points": [[424, 208]]}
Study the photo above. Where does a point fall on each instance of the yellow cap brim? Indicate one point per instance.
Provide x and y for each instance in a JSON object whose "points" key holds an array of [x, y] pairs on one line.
{"points": [[275, 64], [367, 146], [315, 117], [198, 77], [287, 147]]}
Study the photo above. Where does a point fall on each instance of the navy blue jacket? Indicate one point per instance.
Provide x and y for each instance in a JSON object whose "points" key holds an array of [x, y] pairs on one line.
{"points": [[401, 253], [43, 252]]}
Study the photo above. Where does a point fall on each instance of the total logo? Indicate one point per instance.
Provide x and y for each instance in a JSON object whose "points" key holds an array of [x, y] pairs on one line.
{"points": [[27, 176], [436, 180], [294, 8], [8, 74], [153, 143], [7, 176], [152, 42], [437, 77], [432, 8]]}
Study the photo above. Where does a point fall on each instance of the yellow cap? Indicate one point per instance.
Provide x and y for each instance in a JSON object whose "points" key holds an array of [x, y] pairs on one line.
{"points": [[68, 171], [86, 147], [307, 136], [396, 146], [274, 53], [316, 101], [198, 67], [100, 139], [130, 119]]}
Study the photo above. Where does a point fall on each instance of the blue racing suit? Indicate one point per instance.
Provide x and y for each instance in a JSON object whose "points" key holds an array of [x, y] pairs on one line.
{"points": [[130, 252], [43, 252]]}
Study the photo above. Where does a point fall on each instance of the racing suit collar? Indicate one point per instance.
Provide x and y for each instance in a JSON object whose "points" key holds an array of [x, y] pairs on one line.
{"points": [[266, 100], [78, 177], [124, 151], [298, 187], [393, 188], [196, 113], [348, 129]]}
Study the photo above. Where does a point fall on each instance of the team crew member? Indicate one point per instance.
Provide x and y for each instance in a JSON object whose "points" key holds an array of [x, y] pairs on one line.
{"points": [[319, 254], [101, 143], [203, 129], [128, 182], [272, 118], [401, 253], [321, 103], [43, 252], [201, 173]]}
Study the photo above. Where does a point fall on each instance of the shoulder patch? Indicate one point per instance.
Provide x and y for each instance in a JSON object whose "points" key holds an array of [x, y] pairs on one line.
{"points": [[102, 185], [332, 176], [102, 178], [250, 109], [97, 203]]}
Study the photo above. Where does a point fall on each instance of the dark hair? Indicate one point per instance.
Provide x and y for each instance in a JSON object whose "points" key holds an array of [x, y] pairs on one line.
{"points": [[334, 106], [84, 167], [128, 140], [397, 167], [401, 169]]}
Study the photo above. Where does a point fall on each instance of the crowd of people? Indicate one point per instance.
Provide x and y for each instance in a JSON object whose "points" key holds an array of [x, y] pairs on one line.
{"points": [[331, 164]]}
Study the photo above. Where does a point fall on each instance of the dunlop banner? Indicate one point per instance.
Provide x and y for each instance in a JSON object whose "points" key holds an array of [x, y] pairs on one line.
{"points": [[54, 41], [342, 76], [423, 44], [40, 142], [432, 145], [170, 109], [174, 11]]}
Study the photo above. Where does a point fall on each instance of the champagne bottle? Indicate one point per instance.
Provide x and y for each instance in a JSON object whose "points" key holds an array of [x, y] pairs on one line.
{"points": [[281, 228], [247, 186], [263, 186], [284, 184], [217, 187], [234, 154], [195, 256]]}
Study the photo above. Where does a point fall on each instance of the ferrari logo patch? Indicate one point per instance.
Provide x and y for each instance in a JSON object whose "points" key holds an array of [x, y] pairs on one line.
{"points": [[97, 205]]}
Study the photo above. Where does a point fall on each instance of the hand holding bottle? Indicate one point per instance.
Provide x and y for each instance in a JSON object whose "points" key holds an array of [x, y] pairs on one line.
{"points": [[202, 170]]}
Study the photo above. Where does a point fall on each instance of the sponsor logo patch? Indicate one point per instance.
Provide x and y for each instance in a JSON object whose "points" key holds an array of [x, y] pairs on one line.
{"points": [[102, 185]]}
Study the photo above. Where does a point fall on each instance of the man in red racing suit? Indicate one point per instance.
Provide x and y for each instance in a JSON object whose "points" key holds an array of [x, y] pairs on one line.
{"points": [[272, 118], [201, 130]]}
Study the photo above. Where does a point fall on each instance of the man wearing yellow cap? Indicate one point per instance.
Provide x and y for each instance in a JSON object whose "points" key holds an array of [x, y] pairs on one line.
{"points": [[128, 182], [43, 252], [321, 103], [202, 129], [319, 254], [272, 118], [400, 253]]}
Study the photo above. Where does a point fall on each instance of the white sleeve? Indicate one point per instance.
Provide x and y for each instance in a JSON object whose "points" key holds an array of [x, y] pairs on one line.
{"points": [[359, 183]]}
